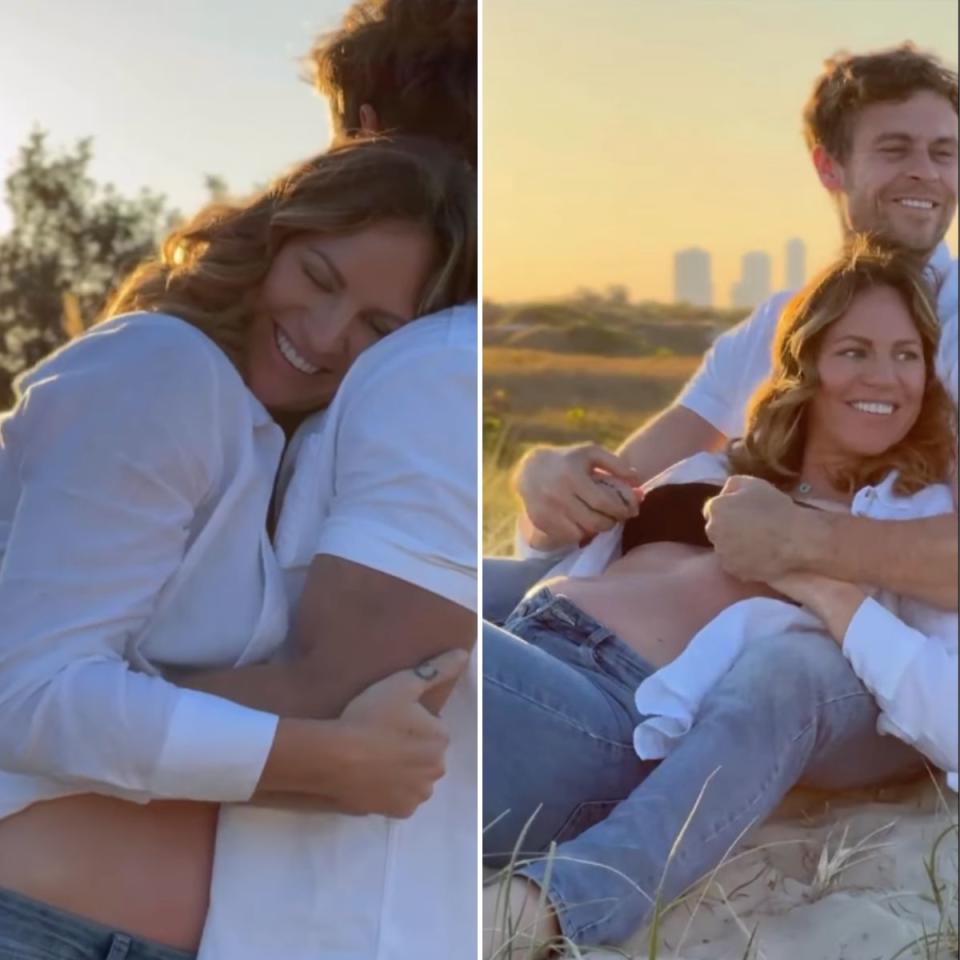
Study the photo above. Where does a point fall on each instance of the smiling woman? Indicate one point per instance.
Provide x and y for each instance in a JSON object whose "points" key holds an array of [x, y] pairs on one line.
{"points": [[324, 301], [295, 284], [136, 477]]}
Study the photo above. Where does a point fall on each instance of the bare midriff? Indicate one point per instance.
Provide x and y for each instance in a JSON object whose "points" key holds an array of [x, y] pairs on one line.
{"points": [[658, 596], [143, 869]]}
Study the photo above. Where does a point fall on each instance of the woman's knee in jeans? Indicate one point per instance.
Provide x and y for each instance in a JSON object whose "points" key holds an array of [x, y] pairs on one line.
{"points": [[792, 669]]}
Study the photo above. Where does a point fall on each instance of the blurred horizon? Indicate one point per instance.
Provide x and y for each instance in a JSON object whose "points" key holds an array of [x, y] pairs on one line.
{"points": [[615, 136]]}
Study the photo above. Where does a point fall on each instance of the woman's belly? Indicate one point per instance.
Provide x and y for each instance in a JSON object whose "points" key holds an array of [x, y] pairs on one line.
{"points": [[144, 869], [658, 596]]}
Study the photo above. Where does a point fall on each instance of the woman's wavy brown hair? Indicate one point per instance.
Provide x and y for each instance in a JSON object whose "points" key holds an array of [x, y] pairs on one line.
{"points": [[775, 439], [209, 271]]}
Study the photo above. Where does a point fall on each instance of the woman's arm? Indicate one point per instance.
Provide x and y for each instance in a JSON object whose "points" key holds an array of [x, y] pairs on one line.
{"points": [[110, 450], [913, 674]]}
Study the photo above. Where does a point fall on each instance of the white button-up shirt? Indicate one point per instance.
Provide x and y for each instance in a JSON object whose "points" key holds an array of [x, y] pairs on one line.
{"points": [[135, 474]]}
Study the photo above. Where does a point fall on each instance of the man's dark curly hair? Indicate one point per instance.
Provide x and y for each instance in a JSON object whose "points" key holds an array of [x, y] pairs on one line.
{"points": [[413, 61]]}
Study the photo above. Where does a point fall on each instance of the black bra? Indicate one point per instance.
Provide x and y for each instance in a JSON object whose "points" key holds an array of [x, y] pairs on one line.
{"points": [[672, 513]]}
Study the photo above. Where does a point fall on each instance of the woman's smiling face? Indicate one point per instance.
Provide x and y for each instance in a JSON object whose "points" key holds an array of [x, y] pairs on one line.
{"points": [[325, 299], [872, 377]]}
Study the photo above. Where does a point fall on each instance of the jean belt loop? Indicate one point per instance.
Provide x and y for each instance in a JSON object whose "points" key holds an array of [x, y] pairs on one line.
{"points": [[597, 635], [119, 947]]}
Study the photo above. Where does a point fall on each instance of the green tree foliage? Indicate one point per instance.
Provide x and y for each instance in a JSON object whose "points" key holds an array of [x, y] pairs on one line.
{"points": [[72, 240]]}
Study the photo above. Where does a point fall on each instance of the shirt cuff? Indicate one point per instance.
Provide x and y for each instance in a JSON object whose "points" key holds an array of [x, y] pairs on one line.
{"points": [[215, 750], [880, 647]]}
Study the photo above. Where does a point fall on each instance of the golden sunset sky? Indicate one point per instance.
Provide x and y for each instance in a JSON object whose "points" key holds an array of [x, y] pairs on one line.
{"points": [[617, 132]]}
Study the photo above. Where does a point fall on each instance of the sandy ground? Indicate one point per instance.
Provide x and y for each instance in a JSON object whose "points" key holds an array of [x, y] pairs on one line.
{"points": [[814, 894]]}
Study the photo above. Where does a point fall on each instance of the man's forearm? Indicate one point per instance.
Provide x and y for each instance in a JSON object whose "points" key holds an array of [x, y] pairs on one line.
{"points": [[674, 435], [354, 626], [291, 689], [915, 558]]}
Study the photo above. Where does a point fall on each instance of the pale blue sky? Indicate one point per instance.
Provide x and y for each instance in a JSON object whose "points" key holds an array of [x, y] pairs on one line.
{"points": [[170, 89]]}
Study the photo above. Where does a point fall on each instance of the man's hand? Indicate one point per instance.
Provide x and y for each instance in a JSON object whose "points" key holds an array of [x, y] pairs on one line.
{"points": [[570, 494], [752, 526]]}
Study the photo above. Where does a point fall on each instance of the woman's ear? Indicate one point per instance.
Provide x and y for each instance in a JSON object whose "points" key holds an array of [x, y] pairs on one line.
{"points": [[369, 122]]}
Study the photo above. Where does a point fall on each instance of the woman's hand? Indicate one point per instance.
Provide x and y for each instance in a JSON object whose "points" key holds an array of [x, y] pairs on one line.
{"points": [[833, 601], [570, 494], [383, 755]]}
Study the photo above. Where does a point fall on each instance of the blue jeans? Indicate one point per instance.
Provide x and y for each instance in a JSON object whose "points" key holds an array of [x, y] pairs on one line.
{"points": [[506, 580], [558, 733], [30, 930]]}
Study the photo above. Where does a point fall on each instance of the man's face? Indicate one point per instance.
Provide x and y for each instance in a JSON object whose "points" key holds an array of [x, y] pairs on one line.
{"points": [[899, 179]]}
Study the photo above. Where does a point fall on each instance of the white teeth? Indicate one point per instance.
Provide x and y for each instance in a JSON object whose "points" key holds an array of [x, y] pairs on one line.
{"points": [[916, 204], [882, 409], [291, 356]]}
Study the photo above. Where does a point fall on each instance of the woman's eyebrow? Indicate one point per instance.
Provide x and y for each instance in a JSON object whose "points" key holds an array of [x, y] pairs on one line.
{"points": [[330, 265], [869, 342]]}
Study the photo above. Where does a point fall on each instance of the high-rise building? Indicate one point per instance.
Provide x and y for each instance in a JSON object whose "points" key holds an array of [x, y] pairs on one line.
{"points": [[691, 277], [754, 285], [795, 265]]}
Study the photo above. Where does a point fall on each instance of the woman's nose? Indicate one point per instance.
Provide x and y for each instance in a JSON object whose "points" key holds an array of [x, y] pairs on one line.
{"points": [[881, 371], [327, 330]]}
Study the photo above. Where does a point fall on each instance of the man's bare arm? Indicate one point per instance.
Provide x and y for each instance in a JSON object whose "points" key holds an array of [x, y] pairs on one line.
{"points": [[672, 436], [914, 558], [354, 626], [760, 534]]}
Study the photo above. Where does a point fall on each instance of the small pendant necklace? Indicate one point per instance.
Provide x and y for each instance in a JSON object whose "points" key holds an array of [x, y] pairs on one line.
{"points": [[804, 488]]}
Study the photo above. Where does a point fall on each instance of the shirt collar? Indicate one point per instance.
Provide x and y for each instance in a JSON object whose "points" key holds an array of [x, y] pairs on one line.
{"points": [[939, 264]]}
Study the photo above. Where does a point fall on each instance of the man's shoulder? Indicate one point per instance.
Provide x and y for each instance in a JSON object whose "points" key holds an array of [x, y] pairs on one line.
{"points": [[762, 322], [454, 329], [440, 346]]}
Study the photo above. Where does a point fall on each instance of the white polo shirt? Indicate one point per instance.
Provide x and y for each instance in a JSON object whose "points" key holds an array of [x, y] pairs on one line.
{"points": [[135, 474], [740, 360], [386, 477]]}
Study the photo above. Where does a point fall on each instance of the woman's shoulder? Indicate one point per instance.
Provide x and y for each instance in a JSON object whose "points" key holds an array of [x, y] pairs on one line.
{"points": [[152, 357], [930, 501], [136, 378]]}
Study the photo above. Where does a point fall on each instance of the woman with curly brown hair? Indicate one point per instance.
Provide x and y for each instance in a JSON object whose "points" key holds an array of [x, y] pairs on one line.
{"points": [[136, 476], [619, 658]]}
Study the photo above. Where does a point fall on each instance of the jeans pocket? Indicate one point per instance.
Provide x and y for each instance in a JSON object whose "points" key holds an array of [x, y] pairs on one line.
{"points": [[584, 815]]}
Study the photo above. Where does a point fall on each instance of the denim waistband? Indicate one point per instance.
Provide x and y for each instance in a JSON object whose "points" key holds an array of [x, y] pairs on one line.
{"points": [[553, 612], [29, 927]]}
